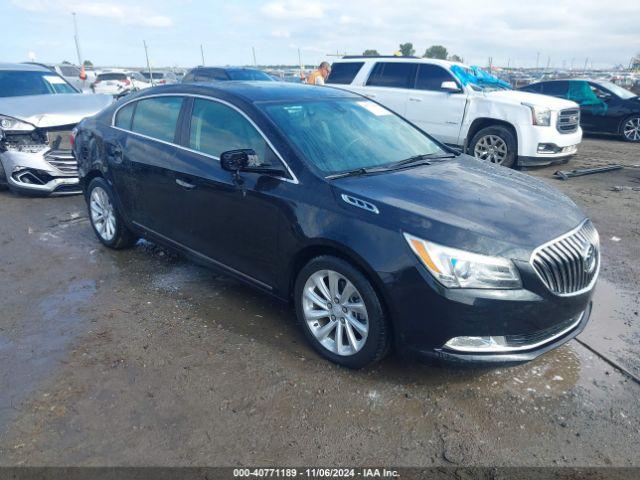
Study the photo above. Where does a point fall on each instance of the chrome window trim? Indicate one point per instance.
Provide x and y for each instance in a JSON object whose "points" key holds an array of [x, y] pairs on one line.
{"points": [[195, 252], [557, 239], [529, 346], [293, 178]]}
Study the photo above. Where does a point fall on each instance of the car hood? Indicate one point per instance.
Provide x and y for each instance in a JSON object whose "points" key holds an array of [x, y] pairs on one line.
{"points": [[53, 110], [468, 204], [516, 97]]}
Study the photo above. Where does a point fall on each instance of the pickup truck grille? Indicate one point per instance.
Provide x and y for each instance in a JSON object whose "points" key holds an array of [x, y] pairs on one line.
{"points": [[63, 160], [568, 120], [570, 263]]}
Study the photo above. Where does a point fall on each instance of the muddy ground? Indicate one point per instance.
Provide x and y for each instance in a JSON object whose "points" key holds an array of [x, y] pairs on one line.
{"points": [[141, 358]]}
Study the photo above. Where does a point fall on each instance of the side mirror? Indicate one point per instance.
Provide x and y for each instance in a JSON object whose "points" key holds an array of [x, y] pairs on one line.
{"points": [[237, 160], [247, 160], [450, 86]]}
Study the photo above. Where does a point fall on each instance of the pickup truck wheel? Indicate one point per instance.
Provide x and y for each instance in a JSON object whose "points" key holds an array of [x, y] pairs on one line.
{"points": [[340, 313], [631, 129], [495, 144]]}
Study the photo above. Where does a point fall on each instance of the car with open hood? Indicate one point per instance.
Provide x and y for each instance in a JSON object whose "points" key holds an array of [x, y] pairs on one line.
{"points": [[38, 112], [379, 235]]}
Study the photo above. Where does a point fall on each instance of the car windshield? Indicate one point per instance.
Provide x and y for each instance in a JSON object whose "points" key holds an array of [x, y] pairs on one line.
{"points": [[617, 90], [154, 75], [248, 75], [16, 83], [341, 135]]}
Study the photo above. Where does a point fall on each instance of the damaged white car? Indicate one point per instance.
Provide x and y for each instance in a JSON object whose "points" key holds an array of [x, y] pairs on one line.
{"points": [[38, 111]]}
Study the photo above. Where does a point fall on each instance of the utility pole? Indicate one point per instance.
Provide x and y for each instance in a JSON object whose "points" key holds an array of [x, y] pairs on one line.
{"points": [[253, 50], [146, 54], [77, 40], [202, 53], [537, 59]]}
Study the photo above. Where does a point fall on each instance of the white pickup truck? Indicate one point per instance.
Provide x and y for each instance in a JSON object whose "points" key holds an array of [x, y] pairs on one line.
{"points": [[462, 106]]}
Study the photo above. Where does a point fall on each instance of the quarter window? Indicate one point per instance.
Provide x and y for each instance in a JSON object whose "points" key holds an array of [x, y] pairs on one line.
{"points": [[157, 117], [393, 74], [430, 77], [217, 128], [124, 117]]}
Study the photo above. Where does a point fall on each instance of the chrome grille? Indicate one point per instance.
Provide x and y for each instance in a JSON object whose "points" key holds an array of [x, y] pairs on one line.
{"points": [[63, 160], [568, 120], [569, 264]]}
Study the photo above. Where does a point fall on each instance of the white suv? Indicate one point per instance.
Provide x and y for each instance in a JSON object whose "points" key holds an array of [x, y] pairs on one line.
{"points": [[464, 107]]}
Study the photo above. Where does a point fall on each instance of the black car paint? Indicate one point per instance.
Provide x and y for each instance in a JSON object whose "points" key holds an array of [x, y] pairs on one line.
{"points": [[265, 229], [594, 119]]}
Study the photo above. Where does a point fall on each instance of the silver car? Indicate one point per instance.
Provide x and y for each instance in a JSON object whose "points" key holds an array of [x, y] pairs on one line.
{"points": [[38, 111]]}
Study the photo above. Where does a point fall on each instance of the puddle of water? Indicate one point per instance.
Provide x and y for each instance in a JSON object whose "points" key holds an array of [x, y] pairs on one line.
{"points": [[31, 353], [614, 328]]}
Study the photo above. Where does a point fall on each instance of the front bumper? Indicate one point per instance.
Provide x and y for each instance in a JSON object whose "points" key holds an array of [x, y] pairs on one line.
{"points": [[545, 145], [44, 172], [427, 316]]}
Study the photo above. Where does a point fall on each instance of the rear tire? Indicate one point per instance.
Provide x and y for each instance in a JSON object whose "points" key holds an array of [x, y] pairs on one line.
{"points": [[340, 313], [106, 221], [630, 129], [496, 144]]}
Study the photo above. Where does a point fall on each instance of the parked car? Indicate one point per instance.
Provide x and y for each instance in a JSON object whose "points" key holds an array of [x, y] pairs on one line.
{"points": [[222, 74], [159, 77], [119, 84], [38, 110], [70, 73], [467, 108], [604, 106], [376, 232]]}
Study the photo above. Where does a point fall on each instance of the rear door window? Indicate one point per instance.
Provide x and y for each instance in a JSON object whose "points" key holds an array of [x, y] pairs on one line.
{"points": [[393, 74], [430, 77], [157, 117], [216, 128], [344, 73]]}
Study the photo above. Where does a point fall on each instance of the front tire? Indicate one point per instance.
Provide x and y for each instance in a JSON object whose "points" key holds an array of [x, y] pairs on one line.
{"points": [[631, 129], [340, 313], [3, 178], [496, 144], [105, 219]]}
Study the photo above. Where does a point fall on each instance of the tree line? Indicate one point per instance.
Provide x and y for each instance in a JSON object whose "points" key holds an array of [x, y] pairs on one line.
{"points": [[407, 50]]}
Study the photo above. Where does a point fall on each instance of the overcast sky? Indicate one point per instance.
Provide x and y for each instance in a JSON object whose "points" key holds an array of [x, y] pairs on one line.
{"points": [[111, 32]]}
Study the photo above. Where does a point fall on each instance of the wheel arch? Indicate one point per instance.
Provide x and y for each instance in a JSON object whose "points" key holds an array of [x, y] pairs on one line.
{"points": [[328, 247], [484, 122]]}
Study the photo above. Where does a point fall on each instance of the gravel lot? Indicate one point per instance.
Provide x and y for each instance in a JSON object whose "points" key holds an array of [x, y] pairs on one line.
{"points": [[142, 358]]}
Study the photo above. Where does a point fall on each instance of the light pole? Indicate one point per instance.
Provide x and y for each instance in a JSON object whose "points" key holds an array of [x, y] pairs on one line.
{"points": [[77, 40]]}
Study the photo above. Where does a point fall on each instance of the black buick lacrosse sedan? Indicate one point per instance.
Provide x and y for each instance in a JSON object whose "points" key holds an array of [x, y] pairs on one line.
{"points": [[379, 235]]}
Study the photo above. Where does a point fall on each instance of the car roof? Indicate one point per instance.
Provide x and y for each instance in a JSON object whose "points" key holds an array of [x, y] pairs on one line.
{"points": [[253, 91], [24, 67], [394, 59]]}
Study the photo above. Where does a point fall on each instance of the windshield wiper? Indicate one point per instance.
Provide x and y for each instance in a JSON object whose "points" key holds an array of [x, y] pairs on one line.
{"points": [[426, 157], [350, 173]]}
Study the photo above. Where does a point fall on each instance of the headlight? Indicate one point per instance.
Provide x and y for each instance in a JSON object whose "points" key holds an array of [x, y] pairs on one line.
{"points": [[539, 115], [9, 124], [455, 268]]}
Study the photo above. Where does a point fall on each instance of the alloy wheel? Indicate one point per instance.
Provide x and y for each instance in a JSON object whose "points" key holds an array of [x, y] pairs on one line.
{"points": [[631, 129], [491, 148], [102, 214], [335, 312]]}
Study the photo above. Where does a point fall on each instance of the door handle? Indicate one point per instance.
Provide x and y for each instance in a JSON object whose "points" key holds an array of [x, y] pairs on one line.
{"points": [[184, 184], [370, 95], [415, 99]]}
